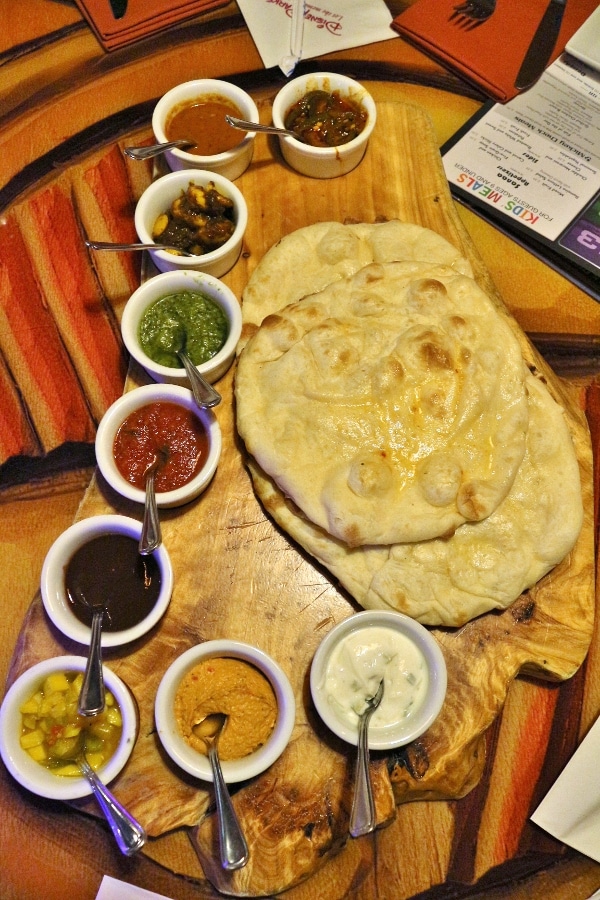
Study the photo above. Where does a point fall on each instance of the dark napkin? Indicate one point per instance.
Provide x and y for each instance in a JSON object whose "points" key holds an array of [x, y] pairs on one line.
{"points": [[491, 54], [135, 19]]}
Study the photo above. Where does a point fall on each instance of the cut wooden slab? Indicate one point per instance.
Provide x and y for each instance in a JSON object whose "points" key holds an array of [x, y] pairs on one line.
{"points": [[237, 575]]}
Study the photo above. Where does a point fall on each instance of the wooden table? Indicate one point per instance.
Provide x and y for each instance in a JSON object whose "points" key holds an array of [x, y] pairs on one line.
{"points": [[61, 97]]}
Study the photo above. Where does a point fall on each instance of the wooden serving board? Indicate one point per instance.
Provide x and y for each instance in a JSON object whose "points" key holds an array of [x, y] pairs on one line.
{"points": [[238, 576]]}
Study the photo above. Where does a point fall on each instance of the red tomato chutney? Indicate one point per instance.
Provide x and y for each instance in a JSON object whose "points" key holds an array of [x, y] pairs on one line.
{"points": [[161, 428]]}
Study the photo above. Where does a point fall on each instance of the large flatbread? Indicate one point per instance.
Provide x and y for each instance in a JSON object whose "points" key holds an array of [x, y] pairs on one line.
{"points": [[482, 566], [310, 258], [390, 406]]}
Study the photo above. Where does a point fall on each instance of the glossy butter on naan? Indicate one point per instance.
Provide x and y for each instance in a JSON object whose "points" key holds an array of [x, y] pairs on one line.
{"points": [[484, 565], [390, 406]]}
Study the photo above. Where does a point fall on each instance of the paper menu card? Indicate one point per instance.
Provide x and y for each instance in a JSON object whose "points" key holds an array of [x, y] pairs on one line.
{"points": [[113, 889], [133, 20], [489, 55], [532, 167], [329, 25], [570, 811]]}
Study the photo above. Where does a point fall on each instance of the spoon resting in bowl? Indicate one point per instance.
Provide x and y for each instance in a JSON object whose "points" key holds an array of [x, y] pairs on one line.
{"points": [[243, 125], [362, 816], [232, 843], [92, 694], [151, 536], [108, 245], [156, 149], [204, 393]]}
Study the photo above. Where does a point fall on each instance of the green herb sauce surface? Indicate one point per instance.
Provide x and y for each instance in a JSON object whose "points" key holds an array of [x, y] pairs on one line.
{"points": [[186, 318]]}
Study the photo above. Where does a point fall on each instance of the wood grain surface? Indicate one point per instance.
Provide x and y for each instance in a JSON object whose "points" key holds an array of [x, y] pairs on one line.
{"points": [[238, 576]]}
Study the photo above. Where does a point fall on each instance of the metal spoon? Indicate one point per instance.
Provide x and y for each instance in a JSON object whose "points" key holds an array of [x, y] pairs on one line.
{"points": [[91, 696], [253, 126], [128, 833], [232, 843], [204, 393], [107, 245], [156, 149], [362, 817], [151, 536]]}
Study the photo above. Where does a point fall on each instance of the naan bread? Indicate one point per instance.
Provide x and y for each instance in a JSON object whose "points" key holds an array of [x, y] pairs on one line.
{"points": [[390, 407], [310, 258], [482, 566]]}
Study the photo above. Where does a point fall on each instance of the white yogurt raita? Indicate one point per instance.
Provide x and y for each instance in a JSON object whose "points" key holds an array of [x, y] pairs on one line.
{"points": [[357, 665]]}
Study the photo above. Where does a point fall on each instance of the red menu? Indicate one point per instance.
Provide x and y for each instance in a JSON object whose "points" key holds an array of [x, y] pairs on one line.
{"points": [[490, 50], [119, 22]]}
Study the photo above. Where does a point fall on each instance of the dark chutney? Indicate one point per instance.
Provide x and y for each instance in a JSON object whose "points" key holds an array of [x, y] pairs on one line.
{"points": [[322, 119], [109, 569], [198, 221], [161, 429], [186, 317]]}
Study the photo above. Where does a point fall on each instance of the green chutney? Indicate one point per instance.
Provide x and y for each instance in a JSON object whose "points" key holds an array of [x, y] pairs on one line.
{"points": [[186, 319]]}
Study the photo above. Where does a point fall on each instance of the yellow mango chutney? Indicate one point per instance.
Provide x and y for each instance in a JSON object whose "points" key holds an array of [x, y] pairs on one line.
{"points": [[52, 731]]}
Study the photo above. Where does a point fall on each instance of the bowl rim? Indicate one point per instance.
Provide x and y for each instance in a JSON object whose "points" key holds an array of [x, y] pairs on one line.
{"points": [[144, 296], [52, 581], [135, 399], [21, 766], [296, 86], [175, 180], [168, 100], [191, 761], [434, 657]]}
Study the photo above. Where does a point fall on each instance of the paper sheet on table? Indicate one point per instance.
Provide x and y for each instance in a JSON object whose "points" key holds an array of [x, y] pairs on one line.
{"points": [[328, 26], [113, 889], [570, 811]]}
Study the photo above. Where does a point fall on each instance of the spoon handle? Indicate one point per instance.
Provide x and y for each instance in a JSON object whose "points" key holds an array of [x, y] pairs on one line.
{"points": [[155, 149], [108, 245], [243, 125], [232, 843], [204, 393], [362, 816], [91, 697], [128, 833], [151, 536]]}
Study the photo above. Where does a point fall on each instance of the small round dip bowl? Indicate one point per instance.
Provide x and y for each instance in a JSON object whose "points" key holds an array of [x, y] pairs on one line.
{"points": [[54, 592], [230, 163], [368, 646], [134, 400], [168, 283], [31, 774], [157, 199], [194, 762], [323, 162]]}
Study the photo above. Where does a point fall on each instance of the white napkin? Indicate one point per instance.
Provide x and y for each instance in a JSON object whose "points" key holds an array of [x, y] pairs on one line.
{"points": [[328, 26], [113, 889], [570, 811]]}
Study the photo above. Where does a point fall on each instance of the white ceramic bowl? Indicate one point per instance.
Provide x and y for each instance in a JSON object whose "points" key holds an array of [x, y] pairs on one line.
{"points": [[407, 730], [232, 163], [323, 162], [53, 591], [128, 403], [157, 199], [27, 771], [195, 763], [170, 283]]}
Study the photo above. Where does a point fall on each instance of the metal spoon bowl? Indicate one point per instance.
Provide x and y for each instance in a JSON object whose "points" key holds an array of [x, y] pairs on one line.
{"points": [[243, 125], [232, 843], [156, 149], [204, 393], [362, 816]]}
